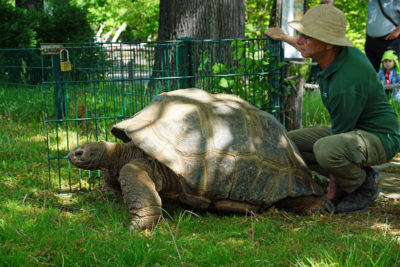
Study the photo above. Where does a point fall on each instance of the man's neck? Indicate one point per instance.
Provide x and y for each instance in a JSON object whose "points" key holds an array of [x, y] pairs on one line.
{"points": [[325, 59]]}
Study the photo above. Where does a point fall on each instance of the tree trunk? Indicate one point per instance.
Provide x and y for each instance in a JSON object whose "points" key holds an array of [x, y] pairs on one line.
{"points": [[196, 19], [201, 19], [30, 4], [276, 14]]}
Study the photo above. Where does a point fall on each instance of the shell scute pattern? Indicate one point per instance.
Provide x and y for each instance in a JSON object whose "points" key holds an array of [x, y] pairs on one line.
{"points": [[221, 146]]}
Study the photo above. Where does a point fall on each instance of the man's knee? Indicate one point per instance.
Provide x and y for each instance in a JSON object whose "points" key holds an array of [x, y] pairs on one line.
{"points": [[334, 150], [323, 153]]}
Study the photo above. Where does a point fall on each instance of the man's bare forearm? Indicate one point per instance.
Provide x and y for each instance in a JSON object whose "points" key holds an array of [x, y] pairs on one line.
{"points": [[279, 35]]}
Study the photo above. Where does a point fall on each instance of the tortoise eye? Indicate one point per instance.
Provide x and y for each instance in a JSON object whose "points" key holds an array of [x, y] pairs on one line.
{"points": [[78, 153]]}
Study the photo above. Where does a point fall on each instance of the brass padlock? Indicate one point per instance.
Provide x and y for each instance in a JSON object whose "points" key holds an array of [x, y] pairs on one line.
{"points": [[65, 65]]}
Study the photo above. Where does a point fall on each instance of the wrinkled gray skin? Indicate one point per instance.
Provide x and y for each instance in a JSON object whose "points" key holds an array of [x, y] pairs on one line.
{"points": [[208, 151]]}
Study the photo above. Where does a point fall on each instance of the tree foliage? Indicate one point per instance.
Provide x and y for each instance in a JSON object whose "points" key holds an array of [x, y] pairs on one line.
{"points": [[30, 4], [257, 17], [356, 14], [16, 27], [60, 21], [78, 20], [141, 16]]}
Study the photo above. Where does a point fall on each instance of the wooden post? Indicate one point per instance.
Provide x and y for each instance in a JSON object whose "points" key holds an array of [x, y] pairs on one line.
{"points": [[276, 14], [293, 104]]}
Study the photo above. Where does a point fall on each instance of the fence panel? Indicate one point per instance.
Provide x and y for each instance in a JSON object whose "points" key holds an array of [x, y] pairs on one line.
{"points": [[21, 77], [112, 81]]}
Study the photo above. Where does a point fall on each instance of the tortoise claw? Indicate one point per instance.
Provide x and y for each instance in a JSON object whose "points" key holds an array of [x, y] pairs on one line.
{"points": [[321, 205], [146, 222], [328, 206]]}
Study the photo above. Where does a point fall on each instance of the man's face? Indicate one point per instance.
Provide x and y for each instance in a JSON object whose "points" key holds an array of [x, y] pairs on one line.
{"points": [[310, 47], [388, 64]]}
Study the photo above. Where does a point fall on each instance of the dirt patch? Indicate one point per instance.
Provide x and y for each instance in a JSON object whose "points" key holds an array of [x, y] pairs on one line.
{"points": [[389, 180], [384, 213]]}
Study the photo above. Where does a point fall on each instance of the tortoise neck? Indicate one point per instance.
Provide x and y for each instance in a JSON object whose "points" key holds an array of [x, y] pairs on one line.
{"points": [[116, 155]]}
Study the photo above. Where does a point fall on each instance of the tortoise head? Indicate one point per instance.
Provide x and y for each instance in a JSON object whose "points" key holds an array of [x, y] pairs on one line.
{"points": [[88, 156]]}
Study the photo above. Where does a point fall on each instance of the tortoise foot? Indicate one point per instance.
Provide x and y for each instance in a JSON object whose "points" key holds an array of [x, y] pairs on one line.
{"points": [[322, 205], [147, 222], [234, 206], [145, 218], [307, 204]]}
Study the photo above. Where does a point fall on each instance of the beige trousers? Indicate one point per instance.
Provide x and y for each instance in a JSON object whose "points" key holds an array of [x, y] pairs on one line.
{"points": [[342, 155]]}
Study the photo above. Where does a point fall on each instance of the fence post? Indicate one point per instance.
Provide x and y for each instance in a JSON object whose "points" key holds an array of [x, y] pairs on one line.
{"points": [[185, 63], [278, 94], [59, 105], [293, 107]]}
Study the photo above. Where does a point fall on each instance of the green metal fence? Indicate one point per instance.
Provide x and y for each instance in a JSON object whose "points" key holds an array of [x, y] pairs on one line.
{"points": [[110, 82]]}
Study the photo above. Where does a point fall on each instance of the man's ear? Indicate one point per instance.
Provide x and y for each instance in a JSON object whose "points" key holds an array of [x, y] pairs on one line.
{"points": [[333, 48], [330, 46]]}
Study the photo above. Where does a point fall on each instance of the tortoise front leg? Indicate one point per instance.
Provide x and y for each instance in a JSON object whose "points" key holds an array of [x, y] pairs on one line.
{"points": [[140, 194], [110, 184]]}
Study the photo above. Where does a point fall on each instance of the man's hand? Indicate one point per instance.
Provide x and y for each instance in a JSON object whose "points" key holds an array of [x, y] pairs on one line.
{"points": [[279, 35], [275, 33], [393, 35]]}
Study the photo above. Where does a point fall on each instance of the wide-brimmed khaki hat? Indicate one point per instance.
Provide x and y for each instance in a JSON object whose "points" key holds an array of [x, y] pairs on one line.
{"points": [[325, 23]]}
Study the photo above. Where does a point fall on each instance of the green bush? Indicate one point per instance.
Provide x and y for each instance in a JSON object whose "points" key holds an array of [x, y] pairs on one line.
{"points": [[16, 27], [63, 22], [141, 17], [59, 23]]}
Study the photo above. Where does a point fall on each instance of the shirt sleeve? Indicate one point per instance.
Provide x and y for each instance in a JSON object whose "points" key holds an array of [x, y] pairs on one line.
{"points": [[345, 110], [381, 75]]}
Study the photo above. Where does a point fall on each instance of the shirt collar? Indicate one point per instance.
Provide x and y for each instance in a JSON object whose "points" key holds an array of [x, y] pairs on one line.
{"points": [[336, 63]]}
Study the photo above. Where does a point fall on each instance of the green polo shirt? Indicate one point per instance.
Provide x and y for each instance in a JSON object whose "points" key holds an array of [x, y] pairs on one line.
{"points": [[355, 98]]}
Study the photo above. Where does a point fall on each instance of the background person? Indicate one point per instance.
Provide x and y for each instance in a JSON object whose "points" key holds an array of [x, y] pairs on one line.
{"points": [[390, 72], [364, 128], [382, 32]]}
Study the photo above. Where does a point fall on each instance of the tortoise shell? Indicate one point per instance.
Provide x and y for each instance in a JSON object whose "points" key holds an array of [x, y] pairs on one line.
{"points": [[220, 146]]}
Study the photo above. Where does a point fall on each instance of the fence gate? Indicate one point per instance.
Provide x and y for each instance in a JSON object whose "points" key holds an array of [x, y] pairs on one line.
{"points": [[109, 82]]}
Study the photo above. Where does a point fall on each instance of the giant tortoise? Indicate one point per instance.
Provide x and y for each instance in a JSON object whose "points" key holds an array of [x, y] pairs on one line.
{"points": [[209, 151]]}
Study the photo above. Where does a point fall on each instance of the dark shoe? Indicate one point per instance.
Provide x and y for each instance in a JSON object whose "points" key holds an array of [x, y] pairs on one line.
{"points": [[339, 197], [372, 182], [363, 196]]}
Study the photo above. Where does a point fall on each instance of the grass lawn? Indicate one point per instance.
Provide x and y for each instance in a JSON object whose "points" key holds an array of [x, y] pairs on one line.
{"points": [[39, 228]]}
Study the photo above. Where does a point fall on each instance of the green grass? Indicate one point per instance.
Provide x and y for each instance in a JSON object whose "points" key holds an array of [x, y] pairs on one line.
{"points": [[314, 112], [39, 228]]}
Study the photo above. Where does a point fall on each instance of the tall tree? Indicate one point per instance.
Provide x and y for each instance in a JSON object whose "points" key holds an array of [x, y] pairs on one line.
{"points": [[276, 14], [197, 19], [201, 19], [30, 4]]}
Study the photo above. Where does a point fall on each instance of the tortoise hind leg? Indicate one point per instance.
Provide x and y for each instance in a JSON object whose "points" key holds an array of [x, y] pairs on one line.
{"points": [[306, 204], [234, 206], [140, 194]]}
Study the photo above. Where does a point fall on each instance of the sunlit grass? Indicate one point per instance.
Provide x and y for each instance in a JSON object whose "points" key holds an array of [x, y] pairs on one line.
{"points": [[41, 228], [314, 112]]}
